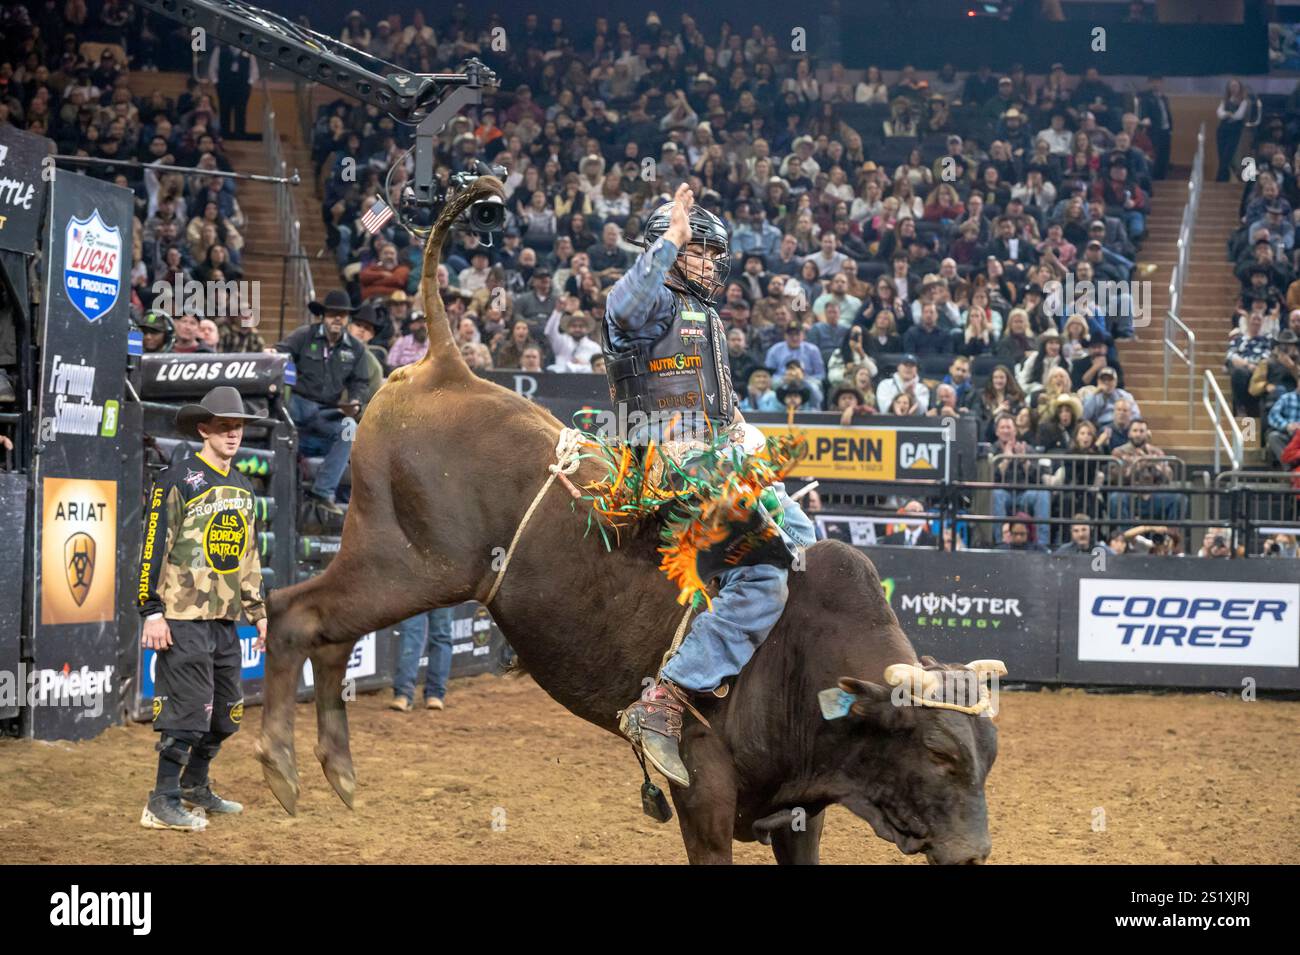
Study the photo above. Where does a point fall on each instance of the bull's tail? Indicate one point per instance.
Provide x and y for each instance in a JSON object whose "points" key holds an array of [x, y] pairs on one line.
{"points": [[442, 348]]}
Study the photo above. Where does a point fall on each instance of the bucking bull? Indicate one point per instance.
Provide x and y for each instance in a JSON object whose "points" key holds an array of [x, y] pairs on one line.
{"points": [[444, 467]]}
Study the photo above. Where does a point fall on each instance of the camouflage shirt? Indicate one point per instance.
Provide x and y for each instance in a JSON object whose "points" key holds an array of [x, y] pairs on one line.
{"points": [[199, 560]]}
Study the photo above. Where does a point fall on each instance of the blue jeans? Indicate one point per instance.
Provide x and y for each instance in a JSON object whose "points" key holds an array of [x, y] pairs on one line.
{"points": [[1161, 506], [321, 437], [750, 600], [1034, 503], [431, 630]]}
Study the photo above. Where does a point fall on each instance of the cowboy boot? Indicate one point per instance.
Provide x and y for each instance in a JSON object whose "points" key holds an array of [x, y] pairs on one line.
{"points": [[654, 725]]}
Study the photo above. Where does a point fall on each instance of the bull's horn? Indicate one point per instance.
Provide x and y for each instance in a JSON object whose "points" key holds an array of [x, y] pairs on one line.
{"points": [[988, 666], [911, 674]]}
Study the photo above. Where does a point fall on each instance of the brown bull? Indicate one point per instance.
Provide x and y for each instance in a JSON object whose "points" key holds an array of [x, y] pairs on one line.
{"points": [[444, 467]]}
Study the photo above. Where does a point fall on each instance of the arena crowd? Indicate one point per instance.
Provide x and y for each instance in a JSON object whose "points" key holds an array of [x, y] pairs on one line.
{"points": [[947, 245]]}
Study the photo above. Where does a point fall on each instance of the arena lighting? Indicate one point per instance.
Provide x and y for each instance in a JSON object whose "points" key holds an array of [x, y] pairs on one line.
{"points": [[428, 100]]}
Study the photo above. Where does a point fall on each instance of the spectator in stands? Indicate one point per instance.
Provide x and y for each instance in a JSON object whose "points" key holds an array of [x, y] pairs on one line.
{"points": [[1014, 466], [912, 531], [1080, 542], [1017, 340], [568, 330], [759, 395], [1232, 111], [927, 338], [1247, 351], [999, 396], [187, 332], [1277, 375], [384, 276], [1099, 408], [329, 362], [904, 380], [1283, 423], [1085, 371], [1215, 543], [1022, 535], [1140, 468], [536, 304]]}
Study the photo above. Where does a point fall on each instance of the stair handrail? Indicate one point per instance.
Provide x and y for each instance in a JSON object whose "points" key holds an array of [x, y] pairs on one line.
{"points": [[1173, 323], [1219, 410], [300, 288]]}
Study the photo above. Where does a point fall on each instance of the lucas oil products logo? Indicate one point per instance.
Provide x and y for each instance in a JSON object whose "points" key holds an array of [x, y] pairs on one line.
{"points": [[92, 253]]}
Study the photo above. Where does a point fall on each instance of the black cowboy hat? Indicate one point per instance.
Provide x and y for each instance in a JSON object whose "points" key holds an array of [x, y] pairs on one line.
{"points": [[221, 402], [336, 301]]}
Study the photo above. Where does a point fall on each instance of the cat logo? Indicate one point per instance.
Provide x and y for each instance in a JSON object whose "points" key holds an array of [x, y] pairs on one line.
{"points": [[237, 712], [157, 707], [920, 456], [79, 559]]}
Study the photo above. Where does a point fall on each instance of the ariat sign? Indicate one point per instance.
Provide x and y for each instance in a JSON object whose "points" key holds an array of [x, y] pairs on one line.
{"points": [[1191, 622]]}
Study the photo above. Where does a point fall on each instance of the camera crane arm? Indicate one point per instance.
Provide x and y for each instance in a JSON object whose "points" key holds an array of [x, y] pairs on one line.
{"points": [[428, 99]]}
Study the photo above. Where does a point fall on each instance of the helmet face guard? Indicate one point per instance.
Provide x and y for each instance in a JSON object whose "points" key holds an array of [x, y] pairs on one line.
{"points": [[687, 273]]}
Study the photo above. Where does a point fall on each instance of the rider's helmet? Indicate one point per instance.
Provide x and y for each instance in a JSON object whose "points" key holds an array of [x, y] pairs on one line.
{"points": [[706, 230]]}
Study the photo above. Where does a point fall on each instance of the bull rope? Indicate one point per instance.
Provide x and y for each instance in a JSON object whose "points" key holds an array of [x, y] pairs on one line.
{"points": [[567, 460]]}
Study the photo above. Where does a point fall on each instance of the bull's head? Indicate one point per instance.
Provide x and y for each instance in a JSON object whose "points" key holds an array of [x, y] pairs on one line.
{"points": [[922, 746]]}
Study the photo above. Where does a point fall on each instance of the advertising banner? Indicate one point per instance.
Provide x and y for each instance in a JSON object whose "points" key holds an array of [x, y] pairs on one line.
{"points": [[174, 377], [968, 606], [79, 475], [22, 188], [13, 518], [1189, 622]]}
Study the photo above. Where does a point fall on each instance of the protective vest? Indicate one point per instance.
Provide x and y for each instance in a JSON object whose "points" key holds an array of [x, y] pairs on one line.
{"points": [[684, 369]]}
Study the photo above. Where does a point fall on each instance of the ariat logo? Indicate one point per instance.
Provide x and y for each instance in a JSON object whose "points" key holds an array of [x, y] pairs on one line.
{"points": [[679, 362], [237, 712], [157, 707], [79, 559]]}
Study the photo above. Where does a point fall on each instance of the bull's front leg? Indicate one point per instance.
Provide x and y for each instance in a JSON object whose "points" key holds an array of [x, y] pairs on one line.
{"points": [[706, 810]]}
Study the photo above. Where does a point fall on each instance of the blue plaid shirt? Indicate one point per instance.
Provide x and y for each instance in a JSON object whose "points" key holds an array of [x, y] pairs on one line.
{"points": [[1285, 412]]}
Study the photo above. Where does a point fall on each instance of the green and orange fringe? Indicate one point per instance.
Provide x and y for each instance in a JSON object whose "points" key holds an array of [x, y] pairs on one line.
{"points": [[721, 486]]}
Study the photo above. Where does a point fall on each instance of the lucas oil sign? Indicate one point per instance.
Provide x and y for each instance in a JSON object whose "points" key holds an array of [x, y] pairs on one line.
{"points": [[92, 252]]}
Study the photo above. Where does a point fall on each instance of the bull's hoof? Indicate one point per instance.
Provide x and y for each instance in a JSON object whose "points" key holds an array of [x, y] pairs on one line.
{"points": [[280, 773], [338, 770]]}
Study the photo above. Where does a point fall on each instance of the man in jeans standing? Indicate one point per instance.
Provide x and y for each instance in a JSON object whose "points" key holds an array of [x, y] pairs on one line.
{"points": [[329, 361], [431, 630]]}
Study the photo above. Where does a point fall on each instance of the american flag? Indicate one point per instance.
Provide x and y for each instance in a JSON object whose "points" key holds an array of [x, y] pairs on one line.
{"points": [[377, 216]]}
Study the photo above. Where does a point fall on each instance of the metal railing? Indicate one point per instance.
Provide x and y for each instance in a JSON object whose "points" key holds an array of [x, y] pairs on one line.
{"points": [[1173, 324], [1219, 410], [299, 287]]}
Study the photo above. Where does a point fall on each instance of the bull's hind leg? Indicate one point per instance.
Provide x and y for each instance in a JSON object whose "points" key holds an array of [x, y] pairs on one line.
{"points": [[800, 842], [706, 810], [329, 665], [292, 626]]}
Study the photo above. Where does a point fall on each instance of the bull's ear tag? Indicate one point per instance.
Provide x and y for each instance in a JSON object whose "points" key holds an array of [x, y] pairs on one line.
{"points": [[835, 703]]}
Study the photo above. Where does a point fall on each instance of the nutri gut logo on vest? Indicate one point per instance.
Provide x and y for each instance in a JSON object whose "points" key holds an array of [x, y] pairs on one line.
{"points": [[92, 252]]}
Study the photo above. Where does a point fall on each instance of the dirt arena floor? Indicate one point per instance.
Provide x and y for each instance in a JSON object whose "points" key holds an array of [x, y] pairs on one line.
{"points": [[1188, 778]]}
